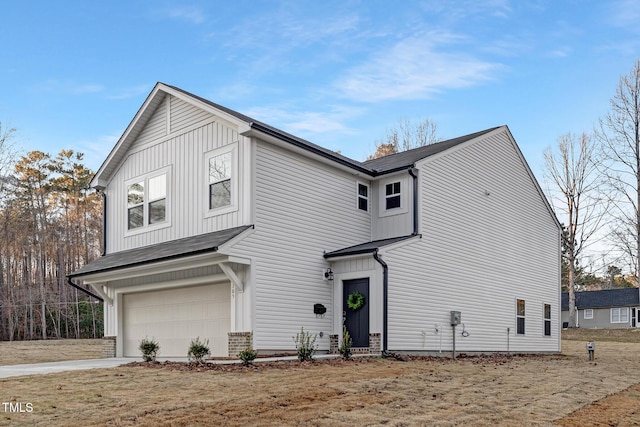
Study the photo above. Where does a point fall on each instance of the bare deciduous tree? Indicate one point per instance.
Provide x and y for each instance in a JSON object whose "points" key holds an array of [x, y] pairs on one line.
{"points": [[573, 168], [405, 136], [619, 133], [7, 154]]}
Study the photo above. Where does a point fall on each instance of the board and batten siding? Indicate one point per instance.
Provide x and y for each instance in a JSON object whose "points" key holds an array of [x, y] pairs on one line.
{"points": [[302, 208], [488, 239], [182, 153]]}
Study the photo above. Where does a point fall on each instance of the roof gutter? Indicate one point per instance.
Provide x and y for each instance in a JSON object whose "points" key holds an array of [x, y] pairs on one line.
{"points": [[73, 285], [385, 302], [311, 148]]}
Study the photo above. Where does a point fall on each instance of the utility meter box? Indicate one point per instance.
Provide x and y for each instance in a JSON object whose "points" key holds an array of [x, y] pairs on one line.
{"points": [[456, 318]]}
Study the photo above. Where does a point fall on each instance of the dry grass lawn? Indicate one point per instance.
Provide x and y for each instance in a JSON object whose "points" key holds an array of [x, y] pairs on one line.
{"points": [[481, 391], [17, 352]]}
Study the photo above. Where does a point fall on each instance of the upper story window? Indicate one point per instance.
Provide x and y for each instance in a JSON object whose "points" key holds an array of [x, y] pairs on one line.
{"points": [[392, 195], [363, 197], [147, 200], [221, 166]]}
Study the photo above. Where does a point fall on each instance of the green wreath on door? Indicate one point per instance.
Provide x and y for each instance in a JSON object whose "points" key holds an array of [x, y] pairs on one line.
{"points": [[355, 301]]}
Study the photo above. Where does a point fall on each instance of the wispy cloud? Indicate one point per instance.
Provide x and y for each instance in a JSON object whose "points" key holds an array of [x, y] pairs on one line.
{"points": [[307, 123], [415, 68], [192, 14], [624, 13]]}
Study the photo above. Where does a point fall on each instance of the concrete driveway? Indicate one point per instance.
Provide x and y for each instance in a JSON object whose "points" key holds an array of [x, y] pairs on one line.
{"points": [[71, 365]]}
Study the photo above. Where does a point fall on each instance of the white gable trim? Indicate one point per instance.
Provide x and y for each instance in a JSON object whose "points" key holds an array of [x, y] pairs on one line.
{"points": [[153, 101]]}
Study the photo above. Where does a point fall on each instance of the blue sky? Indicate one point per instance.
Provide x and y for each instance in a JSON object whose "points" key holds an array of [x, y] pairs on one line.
{"points": [[338, 73]]}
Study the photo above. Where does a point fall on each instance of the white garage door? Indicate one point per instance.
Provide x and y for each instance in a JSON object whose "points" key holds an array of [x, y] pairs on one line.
{"points": [[176, 316]]}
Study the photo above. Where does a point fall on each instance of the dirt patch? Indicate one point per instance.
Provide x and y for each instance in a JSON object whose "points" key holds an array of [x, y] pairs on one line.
{"points": [[565, 390], [620, 409], [479, 391], [18, 352]]}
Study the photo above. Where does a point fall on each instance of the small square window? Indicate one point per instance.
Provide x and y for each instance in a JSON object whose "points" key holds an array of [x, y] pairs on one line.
{"points": [[392, 195], [588, 313]]}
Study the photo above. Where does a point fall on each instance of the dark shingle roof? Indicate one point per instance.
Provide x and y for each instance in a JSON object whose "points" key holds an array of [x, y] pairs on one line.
{"points": [[373, 167], [162, 251], [624, 297], [405, 159], [364, 248], [292, 139]]}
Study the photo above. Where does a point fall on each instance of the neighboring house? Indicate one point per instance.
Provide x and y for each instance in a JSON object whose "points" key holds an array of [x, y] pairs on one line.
{"points": [[612, 308], [218, 225]]}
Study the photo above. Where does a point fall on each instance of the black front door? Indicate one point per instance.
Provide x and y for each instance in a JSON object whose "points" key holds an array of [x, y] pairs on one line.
{"points": [[357, 320]]}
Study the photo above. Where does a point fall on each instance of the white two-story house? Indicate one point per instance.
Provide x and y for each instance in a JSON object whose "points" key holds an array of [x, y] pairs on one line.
{"points": [[218, 226]]}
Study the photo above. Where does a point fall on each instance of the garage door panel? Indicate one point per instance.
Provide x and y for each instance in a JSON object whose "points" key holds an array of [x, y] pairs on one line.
{"points": [[176, 316]]}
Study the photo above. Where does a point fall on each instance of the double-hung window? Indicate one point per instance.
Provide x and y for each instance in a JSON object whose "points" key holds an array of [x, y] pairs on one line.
{"points": [[363, 197], [587, 313], [221, 169], [520, 316], [147, 200]]}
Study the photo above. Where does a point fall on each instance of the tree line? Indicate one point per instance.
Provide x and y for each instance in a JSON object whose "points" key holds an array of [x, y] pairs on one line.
{"points": [[596, 193], [593, 186], [50, 225]]}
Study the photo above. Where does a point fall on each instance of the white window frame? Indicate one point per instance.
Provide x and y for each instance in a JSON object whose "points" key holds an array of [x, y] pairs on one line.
{"points": [[147, 200], [361, 197], [619, 311], [547, 319], [233, 206], [382, 196], [587, 313], [524, 317]]}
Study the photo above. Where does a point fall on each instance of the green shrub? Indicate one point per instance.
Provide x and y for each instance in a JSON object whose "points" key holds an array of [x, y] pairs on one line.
{"points": [[305, 345], [345, 344], [248, 355], [149, 348], [198, 350]]}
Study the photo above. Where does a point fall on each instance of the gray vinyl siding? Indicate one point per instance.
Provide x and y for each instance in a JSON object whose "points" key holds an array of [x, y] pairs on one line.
{"points": [[184, 114], [390, 224], [183, 153], [601, 319], [302, 208], [155, 128], [478, 254]]}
